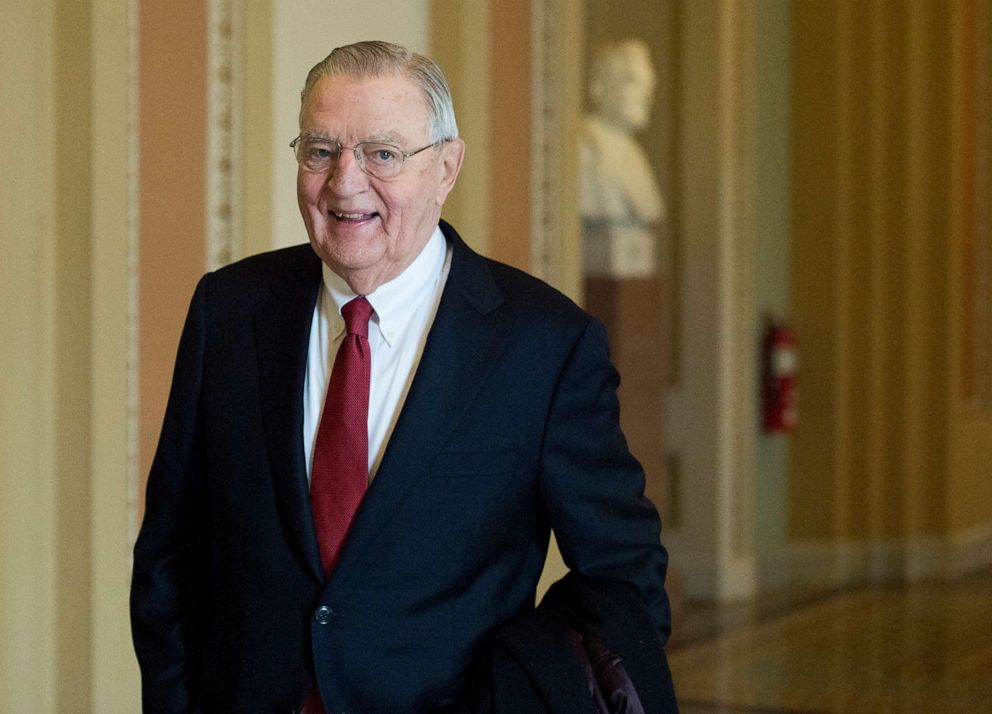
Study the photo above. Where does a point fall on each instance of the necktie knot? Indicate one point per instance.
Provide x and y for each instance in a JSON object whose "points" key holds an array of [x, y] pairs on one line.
{"points": [[356, 314]]}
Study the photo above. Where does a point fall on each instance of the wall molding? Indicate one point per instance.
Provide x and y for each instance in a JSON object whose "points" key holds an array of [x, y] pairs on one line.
{"points": [[556, 105], [114, 482], [546, 139], [816, 565], [224, 165]]}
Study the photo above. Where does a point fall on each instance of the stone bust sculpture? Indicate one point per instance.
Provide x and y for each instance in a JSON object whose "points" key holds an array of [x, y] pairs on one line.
{"points": [[621, 203]]}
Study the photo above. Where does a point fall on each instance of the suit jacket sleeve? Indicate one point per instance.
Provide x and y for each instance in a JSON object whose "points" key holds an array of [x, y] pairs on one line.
{"points": [[168, 591], [593, 487]]}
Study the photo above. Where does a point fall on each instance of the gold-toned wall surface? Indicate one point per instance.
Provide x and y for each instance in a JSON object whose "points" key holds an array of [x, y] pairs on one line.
{"points": [[881, 455]]}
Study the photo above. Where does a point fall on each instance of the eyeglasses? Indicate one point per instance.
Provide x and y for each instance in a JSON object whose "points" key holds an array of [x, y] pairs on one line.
{"points": [[374, 158]]}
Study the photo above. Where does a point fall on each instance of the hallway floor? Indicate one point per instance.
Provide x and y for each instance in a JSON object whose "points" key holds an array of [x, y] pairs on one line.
{"points": [[925, 648]]}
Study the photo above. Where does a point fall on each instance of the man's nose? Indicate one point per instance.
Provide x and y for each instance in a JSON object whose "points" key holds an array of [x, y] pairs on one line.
{"points": [[346, 174]]}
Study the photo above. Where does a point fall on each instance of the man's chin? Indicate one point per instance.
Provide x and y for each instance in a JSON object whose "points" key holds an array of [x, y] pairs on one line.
{"points": [[363, 272]]}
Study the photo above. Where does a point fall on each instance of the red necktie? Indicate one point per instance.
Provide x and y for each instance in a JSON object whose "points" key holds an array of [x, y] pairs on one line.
{"points": [[340, 471]]}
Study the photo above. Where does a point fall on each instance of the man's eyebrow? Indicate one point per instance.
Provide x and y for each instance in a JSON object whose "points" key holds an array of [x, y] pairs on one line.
{"points": [[315, 135]]}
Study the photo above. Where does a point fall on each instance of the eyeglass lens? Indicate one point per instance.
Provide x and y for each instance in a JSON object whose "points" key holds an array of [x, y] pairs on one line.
{"points": [[318, 155]]}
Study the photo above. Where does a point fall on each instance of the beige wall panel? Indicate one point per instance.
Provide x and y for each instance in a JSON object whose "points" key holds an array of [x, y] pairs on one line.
{"points": [[27, 359], [73, 154], [257, 126], [66, 506], [461, 46]]}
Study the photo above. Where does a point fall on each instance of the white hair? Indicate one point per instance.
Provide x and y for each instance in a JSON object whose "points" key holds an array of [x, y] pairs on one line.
{"points": [[381, 59]]}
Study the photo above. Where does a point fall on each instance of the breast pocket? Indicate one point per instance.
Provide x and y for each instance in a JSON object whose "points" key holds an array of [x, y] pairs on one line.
{"points": [[475, 464]]}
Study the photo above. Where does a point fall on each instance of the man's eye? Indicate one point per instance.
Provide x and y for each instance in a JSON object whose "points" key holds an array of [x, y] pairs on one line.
{"points": [[382, 155], [320, 153]]}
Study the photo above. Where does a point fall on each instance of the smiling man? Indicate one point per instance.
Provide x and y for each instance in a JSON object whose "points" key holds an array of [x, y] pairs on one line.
{"points": [[371, 216], [369, 440]]}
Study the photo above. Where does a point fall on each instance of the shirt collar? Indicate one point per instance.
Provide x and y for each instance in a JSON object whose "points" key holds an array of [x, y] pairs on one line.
{"points": [[395, 302]]}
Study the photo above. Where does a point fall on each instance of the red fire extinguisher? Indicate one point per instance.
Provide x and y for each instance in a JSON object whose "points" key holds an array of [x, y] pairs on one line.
{"points": [[781, 362]]}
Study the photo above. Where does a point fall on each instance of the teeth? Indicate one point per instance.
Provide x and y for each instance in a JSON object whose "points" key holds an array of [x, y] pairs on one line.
{"points": [[351, 216]]}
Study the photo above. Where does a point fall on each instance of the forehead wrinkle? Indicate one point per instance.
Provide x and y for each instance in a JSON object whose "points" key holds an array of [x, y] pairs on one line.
{"points": [[387, 137], [321, 102]]}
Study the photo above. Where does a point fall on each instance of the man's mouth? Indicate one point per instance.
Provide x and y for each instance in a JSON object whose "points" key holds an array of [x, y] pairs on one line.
{"points": [[352, 217]]}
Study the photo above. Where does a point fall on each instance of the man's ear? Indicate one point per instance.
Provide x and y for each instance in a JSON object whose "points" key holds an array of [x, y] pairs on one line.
{"points": [[450, 163]]}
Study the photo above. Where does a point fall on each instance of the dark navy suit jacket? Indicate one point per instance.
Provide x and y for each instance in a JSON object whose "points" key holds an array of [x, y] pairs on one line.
{"points": [[510, 429]]}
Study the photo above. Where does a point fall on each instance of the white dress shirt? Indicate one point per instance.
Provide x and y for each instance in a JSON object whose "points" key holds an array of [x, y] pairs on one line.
{"points": [[404, 312]]}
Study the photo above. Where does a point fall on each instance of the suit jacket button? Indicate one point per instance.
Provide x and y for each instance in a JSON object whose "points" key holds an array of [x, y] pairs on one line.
{"points": [[323, 615]]}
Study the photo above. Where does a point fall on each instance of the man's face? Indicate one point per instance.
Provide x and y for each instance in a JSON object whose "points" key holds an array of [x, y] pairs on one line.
{"points": [[368, 229]]}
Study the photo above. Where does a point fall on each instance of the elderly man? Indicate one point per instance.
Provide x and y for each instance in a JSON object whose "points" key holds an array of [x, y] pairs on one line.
{"points": [[370, 438]]}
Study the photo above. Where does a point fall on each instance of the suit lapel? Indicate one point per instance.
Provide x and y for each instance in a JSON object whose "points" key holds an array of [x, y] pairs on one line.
{"points": [[467, 335], [282, 334]]}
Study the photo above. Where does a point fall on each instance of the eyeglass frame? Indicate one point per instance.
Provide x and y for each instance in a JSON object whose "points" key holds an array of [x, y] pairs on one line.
{"points": [[359, 156]]}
